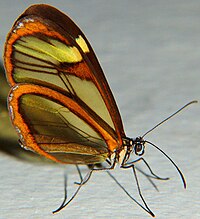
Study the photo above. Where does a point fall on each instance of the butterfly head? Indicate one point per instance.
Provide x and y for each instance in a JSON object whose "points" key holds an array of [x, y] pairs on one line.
{"points": [[138, 146], [131, 146]]}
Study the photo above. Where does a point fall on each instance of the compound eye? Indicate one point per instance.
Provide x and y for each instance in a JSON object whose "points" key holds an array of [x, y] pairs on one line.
{"points": [[139, 149]]}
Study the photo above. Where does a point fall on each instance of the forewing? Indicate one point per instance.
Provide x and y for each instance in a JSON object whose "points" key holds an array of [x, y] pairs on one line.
{"points": [[45, 47]]}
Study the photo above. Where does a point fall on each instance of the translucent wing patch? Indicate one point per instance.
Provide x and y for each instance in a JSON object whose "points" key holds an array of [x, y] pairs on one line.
{"points": [[49, 126]]}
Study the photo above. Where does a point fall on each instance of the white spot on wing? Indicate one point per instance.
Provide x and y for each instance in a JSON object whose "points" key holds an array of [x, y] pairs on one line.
{"points": [[11, 112], [19, 133], [21, 24]]}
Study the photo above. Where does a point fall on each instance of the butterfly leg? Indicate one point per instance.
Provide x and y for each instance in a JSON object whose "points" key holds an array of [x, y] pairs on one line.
{"points": [[146, 208], [82, 181], [153, 175], [64, 203]]}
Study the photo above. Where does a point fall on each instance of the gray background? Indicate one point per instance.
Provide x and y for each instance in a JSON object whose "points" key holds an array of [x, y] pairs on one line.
{"points": [[150, 53]]}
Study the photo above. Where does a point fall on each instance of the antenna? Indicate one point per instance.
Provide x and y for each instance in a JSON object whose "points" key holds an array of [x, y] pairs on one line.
{"points": [[179, 171], [169, 117]]}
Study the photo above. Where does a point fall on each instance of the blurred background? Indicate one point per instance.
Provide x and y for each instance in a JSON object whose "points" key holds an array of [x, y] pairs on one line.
{"points": [[150, 53]]}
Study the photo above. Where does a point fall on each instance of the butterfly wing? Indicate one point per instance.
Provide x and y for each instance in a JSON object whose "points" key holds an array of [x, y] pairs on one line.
{"points": [[46, 48], [55, 126]]}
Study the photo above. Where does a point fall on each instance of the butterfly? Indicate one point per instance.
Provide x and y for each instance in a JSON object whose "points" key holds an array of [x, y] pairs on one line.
{"points": [[60, 102]]}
